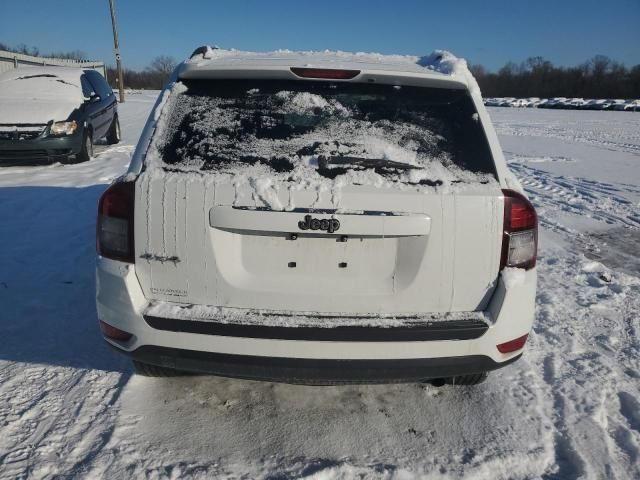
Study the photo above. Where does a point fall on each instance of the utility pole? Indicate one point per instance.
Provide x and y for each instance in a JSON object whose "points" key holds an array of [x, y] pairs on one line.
{"points": [[117, 51]]}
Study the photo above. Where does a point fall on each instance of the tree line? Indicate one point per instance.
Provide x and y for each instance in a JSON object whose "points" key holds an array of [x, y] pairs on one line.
{"points": [[35, 52], [153, 77], [599, 77]]}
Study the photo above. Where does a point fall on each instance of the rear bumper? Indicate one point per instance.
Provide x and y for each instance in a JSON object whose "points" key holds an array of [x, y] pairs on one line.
{"points": [[315, 371], [295, 355], [442, 330], [39, 150]]}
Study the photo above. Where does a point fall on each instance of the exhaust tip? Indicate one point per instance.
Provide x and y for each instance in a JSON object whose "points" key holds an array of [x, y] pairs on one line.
{"points": [[438, 382]]}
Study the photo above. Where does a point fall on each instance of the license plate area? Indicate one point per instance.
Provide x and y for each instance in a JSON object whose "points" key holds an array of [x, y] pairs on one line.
{"points": [[300, 254]]}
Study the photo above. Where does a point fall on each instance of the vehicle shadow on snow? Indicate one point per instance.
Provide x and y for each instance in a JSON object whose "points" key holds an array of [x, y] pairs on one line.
{"points": [[47, 279]]}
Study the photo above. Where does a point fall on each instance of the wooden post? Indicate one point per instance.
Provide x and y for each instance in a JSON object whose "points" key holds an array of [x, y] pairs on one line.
{"points": [[117, 51]]}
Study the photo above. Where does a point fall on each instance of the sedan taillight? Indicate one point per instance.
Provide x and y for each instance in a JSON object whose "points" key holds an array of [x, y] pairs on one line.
{"points": [[520, 232], [114, 228]]}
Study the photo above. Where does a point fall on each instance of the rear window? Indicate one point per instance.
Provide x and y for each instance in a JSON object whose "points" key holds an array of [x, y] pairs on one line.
{"points": [[405, 134]]}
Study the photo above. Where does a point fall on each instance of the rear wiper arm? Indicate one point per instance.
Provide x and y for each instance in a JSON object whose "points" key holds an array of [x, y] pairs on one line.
{"points": [[327, 162]]}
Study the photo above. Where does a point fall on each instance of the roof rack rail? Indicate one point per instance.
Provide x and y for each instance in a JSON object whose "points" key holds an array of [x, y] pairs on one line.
{"points": [[202, 50]]}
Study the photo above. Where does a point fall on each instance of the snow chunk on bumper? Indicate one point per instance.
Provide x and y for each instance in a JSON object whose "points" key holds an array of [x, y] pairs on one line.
{"points": [[513, 277], [235, 316]]}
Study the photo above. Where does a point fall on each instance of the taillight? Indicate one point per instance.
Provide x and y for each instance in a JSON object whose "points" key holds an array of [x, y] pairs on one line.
{"points": [[114, 333], [329, 73], [114, 229], [520, 232]]}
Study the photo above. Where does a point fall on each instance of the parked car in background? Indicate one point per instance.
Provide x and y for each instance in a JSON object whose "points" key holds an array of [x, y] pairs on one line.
{"points": [[563, 103], [614, 103], [623, 106], [602, 104], [520, 103], [569, 103], [506, 102], [350, 222], [632, 106], [492, 102], [549, 103], [559, 102], [589, 104], [50, 114]]}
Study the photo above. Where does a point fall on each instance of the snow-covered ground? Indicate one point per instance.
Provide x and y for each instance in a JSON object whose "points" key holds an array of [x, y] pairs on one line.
{"points": [[570, 408]]}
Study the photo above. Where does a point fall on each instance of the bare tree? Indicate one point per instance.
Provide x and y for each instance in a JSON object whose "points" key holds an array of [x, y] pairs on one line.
{"points": [[163, 64], [72, 55], [26, 50]]}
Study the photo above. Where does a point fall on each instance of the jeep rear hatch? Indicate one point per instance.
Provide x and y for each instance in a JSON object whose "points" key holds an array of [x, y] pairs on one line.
{"points": [[319, 196]]}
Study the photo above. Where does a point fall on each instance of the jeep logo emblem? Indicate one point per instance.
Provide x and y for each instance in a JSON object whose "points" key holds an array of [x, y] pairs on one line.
{"points": [[329, 225]]}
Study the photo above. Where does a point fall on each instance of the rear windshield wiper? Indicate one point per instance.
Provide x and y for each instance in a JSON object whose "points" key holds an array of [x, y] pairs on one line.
{"points": [[346, 161]]}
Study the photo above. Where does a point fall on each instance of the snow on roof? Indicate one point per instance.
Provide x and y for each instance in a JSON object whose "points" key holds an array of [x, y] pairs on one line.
{"points": [[440, 63]]}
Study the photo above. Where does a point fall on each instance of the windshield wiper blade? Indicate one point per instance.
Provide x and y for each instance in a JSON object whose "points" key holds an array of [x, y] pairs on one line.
{"points": [[345, 161]]}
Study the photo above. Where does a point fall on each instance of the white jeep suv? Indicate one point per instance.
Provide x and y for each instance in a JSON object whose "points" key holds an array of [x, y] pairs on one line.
{"points": [[318, 217]]}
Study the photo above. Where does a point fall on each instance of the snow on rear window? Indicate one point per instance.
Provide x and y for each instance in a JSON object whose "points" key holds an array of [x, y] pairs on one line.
{"points": [[296, 130]]}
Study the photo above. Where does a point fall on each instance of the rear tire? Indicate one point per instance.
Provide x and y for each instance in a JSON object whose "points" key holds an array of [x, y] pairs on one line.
{"points": [[147, 370], [472, 379], [113, 135]]}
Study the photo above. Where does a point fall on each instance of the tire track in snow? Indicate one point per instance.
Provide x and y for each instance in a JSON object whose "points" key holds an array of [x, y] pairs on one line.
{"points": [[58, 387], [587, 320], [600, 201], [57, 421], [586, 348], [611, 145], [612, 131]]}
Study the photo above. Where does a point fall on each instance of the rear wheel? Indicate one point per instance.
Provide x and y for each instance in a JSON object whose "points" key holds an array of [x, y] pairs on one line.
{"points": [[113, 135], [147, 370], [473, 379]]}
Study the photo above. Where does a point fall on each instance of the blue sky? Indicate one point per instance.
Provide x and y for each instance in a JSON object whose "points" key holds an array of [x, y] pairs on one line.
{"points": [[487, 32]]}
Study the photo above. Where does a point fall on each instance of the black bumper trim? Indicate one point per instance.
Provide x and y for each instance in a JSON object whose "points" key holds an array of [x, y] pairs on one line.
{"points": [[315, 371], [445, 330]]}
